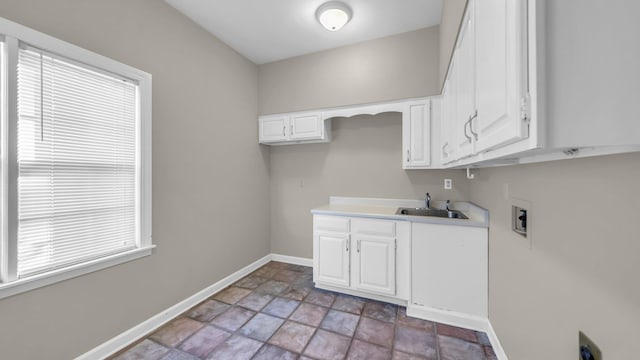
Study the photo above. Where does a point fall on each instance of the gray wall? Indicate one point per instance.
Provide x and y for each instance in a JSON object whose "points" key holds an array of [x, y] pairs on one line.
{"points": [[452, 11], [581, 271], [364, 157], [206, 166], [394, 67]]}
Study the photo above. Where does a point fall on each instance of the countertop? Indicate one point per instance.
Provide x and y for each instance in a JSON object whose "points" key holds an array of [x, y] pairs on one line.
{"points": [[386, 209]]}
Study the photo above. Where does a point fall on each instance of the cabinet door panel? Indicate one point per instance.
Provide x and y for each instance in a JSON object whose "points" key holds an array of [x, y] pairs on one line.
{"points": [[501, 73], [465, 89], [273, 128], [306, 126], [375, 265], [332, 258], [417, 135]]}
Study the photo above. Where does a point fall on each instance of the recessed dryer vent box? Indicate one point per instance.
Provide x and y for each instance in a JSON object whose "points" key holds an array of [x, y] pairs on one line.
{"points": [[519, 220]]}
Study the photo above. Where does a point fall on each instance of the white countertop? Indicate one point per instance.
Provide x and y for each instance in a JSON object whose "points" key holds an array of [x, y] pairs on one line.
{"points": [[386, 209]]}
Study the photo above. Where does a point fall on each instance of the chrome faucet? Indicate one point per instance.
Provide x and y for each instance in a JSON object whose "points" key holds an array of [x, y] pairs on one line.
{"points": [[427, 201], [448, 201]]}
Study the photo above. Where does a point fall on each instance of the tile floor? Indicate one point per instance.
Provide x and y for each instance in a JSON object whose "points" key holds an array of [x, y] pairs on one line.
{"points": [[275, 313]]}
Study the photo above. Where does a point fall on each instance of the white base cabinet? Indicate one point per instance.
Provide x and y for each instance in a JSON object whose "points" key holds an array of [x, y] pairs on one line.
{"points": [[362, 255], [449, 270]]}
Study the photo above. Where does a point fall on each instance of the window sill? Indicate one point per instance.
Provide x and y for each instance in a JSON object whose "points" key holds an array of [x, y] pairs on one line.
{"points": [[52, 277]]}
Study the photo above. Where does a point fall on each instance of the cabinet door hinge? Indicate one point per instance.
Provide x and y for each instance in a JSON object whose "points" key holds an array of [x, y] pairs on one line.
{"points": [[525, 108]]}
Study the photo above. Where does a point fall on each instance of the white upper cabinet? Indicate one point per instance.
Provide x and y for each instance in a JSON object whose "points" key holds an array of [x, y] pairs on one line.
{"points": [[416, 135], [485, 93], [501, 73], [294, 128], [273, 128], [306, 126]]}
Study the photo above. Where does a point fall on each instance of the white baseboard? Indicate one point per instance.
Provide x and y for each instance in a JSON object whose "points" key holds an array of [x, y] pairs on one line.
{"points": [[292, 260], [449, 317], [124, 339], [460, 320], [495, 343]]}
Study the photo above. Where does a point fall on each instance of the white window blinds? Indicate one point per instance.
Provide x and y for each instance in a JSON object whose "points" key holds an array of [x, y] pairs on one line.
{"points": [[78, 163]]}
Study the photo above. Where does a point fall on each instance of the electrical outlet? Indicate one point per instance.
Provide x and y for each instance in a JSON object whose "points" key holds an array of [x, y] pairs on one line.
{"points": [[588, 350], [448, 184]]}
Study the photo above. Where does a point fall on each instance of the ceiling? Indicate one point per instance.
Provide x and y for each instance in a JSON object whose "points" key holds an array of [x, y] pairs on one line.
{"points": [[271, 30]]}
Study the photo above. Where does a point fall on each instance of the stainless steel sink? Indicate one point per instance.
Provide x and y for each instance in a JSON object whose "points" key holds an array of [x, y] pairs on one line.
{"points": [[452, 214]]}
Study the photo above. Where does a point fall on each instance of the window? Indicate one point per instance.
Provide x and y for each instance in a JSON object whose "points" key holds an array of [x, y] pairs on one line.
{"points": [[75, 160]]}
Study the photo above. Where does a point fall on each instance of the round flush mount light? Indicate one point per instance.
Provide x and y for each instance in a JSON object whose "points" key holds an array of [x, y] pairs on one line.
{"points": [[333, 15]]}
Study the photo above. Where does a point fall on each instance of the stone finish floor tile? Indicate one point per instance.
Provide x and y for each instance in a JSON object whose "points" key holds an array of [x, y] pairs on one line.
{"points": [[454, 349], [489, 353], [320, 297], [287, 276], [266, 272], [232, 294], [281, 307], [176, 331], [327, 346], [309, 314], [297, 292], [233, 318], [292, 336], [340, 322], [456, 332], [362, 350], [277, 313], [236, 348], [179, 355], [403, 319], [146, 349], [272, 287], [380, 311], [350, 304], [375, 331], [251, 282], [207, 310], [399, 355], [483, 339], [261, 327], [415, 341], [206, 339], [255, 301], [270, 352]]}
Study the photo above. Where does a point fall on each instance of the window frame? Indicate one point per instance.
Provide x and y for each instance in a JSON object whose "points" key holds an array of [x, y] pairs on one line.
{"points": [[12, 35]]}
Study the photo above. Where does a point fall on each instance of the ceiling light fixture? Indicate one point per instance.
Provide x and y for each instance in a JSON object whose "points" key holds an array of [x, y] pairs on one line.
{"points": [[333, 15]]}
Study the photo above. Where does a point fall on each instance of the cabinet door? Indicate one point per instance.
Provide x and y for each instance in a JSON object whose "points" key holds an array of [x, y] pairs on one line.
{"points": [[306, 126], [375, 264], [446, 145], [416, 135], [273, 128], [331, 258], [501, 70], [465, 88]]}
